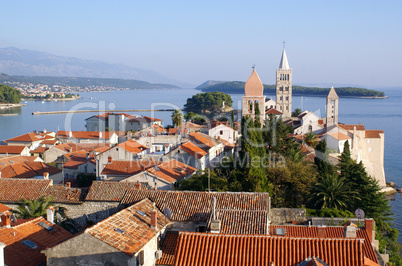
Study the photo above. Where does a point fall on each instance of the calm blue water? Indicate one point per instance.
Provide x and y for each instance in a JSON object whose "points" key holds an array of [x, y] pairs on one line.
{"points": [[383, 114]]}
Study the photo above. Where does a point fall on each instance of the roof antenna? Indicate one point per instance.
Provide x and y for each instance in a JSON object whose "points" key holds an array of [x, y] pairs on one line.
{"points": [[253, 67]]}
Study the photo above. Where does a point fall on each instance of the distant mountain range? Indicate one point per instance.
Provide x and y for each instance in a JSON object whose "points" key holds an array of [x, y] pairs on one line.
{"points": [[14, 61]]}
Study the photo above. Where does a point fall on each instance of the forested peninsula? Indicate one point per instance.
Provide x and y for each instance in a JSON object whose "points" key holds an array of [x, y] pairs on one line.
{"points": [[9, 94], [237, 87]]}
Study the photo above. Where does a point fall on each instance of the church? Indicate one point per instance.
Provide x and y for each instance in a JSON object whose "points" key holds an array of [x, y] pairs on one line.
{"points": [[367, 146]]}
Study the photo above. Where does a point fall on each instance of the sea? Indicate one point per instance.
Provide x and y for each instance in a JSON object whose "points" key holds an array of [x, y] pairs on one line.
{"points": [[385, 114]]}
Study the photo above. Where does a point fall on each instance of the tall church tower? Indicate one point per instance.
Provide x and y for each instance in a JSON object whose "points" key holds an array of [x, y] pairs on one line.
{"points": [[332, 108], [284, 86], [254, 94]]}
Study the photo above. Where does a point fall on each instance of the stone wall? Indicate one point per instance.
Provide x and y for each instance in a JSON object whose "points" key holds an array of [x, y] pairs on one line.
{"points": [[287, 215]]}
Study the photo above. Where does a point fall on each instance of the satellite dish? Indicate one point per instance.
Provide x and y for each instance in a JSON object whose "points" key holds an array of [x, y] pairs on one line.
{"points": [[13, 218], [167, 212], [59, 218], [359, 213]]}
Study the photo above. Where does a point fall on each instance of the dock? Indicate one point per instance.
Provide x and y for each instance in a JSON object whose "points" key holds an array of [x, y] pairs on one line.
{"points": [[102, 111]]}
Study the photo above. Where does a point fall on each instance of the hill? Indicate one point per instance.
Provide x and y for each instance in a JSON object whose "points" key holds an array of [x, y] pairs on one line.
{"points": [[237, 87], [14, 61], [86, 82]]}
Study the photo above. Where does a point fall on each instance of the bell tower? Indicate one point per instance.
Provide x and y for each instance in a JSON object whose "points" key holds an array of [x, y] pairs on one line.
{"points": [[254, 96], [332, 108], [284, 86]]}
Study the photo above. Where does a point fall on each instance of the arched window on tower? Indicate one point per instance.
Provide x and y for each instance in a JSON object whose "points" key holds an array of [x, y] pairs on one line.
{"points": [[310, 128], [250, 106]]}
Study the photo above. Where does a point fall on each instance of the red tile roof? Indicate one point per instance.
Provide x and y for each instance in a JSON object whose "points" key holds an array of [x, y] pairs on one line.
{"points": [[4, 208], [12, 190], [128, 168], [273, 111], [193, 149], [39, 150], [339, 136], [172, 170], [330, 232], [10, 149], [373, 134], [132, 146], [144, 119], [28, 170], [61, 194], [168, 249], [5, 162], [137, 230], [88, 147], [16, 253], [351, 127], [50, 142], [202, 140], [196, 206], [85, 134], [79, 159], [109, 190], [247, 222], [217, 249], [31, 137]]}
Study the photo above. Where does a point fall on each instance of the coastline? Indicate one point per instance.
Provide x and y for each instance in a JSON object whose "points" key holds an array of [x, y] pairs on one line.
{"points": [[10, 105]]}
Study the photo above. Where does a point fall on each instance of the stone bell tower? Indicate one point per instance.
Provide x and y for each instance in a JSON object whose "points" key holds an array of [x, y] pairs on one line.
{"points": [[284, 86], [254, 95], [332, 108]]}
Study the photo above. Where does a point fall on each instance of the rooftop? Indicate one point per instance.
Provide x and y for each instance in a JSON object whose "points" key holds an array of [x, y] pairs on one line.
{"points": [[128, 168], [194, 249], [28, 170], [253, 86], [172, 170], [373, 134], [194, 205], [193, 149], [17, 253], [85, 134], [272, 111], [31, 137], [130, 229], [203, 140], [351, 127], [132, 146], [10, 149], [339, 136], [110, 191]]}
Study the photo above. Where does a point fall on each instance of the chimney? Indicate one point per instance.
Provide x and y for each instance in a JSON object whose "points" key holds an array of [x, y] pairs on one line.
{"points": [[137, 185], [215, 226], [369, 226], [70, 134], [350, 231], [6, 219], [45, 175], [321, 231], [109, 159], [50, 214], [100, 134], [68, 184], [154, 218], [2, 246]]}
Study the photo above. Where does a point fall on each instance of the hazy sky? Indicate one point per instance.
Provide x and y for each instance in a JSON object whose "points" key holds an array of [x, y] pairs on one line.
{"points": [[339, 42]]}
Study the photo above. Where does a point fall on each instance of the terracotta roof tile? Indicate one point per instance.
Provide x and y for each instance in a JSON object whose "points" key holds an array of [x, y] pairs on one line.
{"points": [[49, 142], [242, 221], [28, 170], [351, 127], [4, 208], [144, 119], [194, 205], [110, 191], [31, 137], [79, 159], [339, 136], [202, 140], [172, 170], [195, 249], [373, 134], [61, 194], [137, 230], [193, 149], [128, 168], [273, 111], [12, 190], [168, 249], [16, 253], [39, 150], [85, 134], [132, 146], [7, 161], [10, 149], [330, 232]]}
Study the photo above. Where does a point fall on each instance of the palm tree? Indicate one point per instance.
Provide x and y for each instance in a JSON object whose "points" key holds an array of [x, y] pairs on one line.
{"points": [[35, 208], [333, 191], [311, 139], [177, 118]]}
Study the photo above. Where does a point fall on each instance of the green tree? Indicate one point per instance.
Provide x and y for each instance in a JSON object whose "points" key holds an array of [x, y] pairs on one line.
{"points": [[177, 118], [35, 208], [9, 94], [85, 180], [333, 191], [296, 112], [208, 102], [311, 139], [199, 182]]}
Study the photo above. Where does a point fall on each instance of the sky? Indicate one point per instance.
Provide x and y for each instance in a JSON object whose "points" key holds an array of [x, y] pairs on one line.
{"points": [[327, 42]]}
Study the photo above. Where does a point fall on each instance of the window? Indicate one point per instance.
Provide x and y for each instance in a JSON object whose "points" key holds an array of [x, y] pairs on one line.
{"points": [[281, 98], [287, 98], [281, 88], [221, 132], [310, 128], [287, 89], [369, 149]]}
